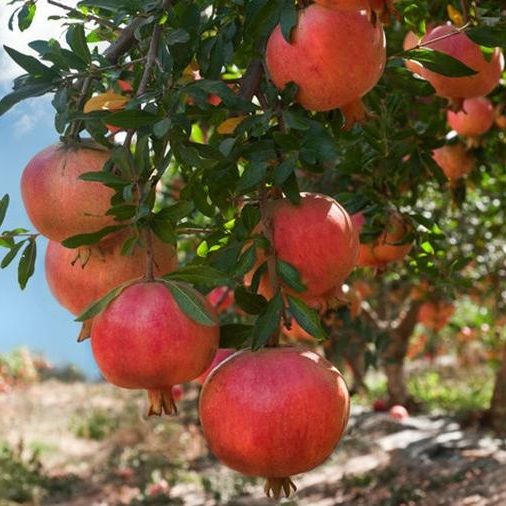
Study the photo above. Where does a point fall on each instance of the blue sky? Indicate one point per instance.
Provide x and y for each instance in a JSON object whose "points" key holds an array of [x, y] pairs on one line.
{"points": [[31, 317]]}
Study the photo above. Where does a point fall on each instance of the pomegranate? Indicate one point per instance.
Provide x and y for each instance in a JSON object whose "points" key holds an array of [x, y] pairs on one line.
{"points": [[379, 405], [274, 413], [78, 278], [461, 47], [57, 202], [221, 355], [335, 57], [436, 314], [221, 298], [476, 117], [177, 393], [454, 160], [386, 247], [317, 238], [398, 413], [144, 340]]}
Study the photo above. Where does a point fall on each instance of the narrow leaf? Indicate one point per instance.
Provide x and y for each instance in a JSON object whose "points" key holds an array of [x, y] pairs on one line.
{"points": [[26, 266], [290, 276], [439, 62], [250, 302], [234, 335], [307, 318], [267, 323], [4, 204], [9, 257], [85, 239], [199, 275]]}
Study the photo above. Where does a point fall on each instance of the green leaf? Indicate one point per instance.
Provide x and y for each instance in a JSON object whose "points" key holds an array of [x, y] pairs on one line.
{"points": [[234, 335], [246, 261], [26, 15], [191, 303], [250, 216], [203, 275], [133, 118], [4, 204], [85, 239], [106, 178], [307, 318], [250, 302], [427, 247], [76, 39], [285, 169], [26, 266], [177, 36], [34, 89], [288, 19], [267, 323], [98, 306], [488, 36], [9, 257], [176, 212], [30, 64], [253, 175], [440, 63], [164, 230], [290, 275]]}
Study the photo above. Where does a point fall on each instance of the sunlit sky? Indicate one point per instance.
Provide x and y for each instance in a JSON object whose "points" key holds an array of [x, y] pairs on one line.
{"points": [[31, 317]]}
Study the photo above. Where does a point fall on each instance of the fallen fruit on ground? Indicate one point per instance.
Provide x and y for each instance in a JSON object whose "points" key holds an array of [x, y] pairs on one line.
{"points": [[76, 206], [398, 413], [274, 413], [143, 340], [79, 277]]}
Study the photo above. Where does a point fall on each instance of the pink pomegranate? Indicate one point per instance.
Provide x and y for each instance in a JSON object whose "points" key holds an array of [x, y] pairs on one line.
{"points": [[144, 340], [388, 247], [476, 117], [411, 41], [398, 413], [58, 203], [317, 238], [80, 277], [455, 161], [335, 57], [460, 46], [221, 298], [221, 355], [274, 413]]}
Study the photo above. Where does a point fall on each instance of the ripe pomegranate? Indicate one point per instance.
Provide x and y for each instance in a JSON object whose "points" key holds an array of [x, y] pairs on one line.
{"points": [[476, 117], [335, 57], [125, 86], [274, 413], [436, 314], [398, 413], [379, 405], [454, 160], [221, 355], [461, 47], [57, 202], [380, 8], [144, 340], [410, 41], [221, 298], [77, 278], [317, 238], [386, 247], [177, 392]]}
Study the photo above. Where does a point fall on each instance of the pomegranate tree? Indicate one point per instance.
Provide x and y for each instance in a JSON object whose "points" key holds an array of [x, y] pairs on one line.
{"points": [[335, 57], [448, 39], [79, 277], [76, 207], [476, 117], [143, 340], [274, 413]]}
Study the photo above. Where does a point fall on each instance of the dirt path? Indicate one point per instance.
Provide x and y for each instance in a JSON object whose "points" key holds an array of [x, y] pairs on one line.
{"points": [[426, 461]]}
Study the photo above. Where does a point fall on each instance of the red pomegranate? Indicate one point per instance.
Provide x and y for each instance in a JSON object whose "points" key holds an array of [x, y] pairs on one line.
{"points": [[317, 238], [221, 355], [77, 278], [221, 298], [274, 413], [335, 57], [58, 203], [178, 392], [454, 160], [436, 314], [388, 246], [461, 47], [144, 340], [476, 117], [381, 8]]}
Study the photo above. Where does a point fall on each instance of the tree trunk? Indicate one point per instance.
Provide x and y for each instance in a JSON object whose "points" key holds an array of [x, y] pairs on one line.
{"points": [[498, 404], [393, 357]]}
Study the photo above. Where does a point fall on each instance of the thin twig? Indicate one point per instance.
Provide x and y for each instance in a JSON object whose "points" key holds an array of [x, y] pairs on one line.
{"points": [[89, 17], [85, 90]]}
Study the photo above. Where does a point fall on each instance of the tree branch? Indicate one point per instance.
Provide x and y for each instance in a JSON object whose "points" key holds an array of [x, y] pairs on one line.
{"points": [[250, 81], [124, 42], [79, 14]]}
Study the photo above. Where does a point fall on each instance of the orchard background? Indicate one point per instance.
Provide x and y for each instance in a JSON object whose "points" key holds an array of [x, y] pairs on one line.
{"points": [[265, 176]]}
